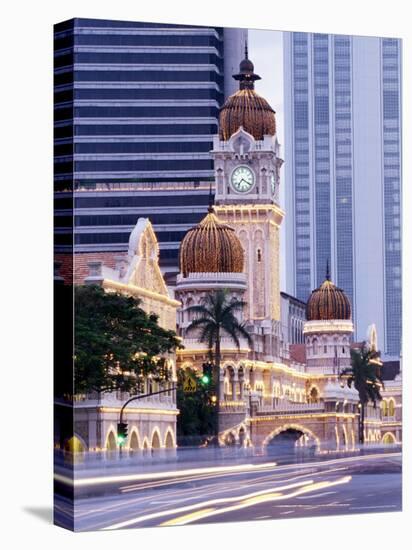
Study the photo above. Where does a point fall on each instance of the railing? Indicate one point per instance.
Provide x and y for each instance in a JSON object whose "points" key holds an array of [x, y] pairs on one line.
{"points": [[291, 407], [225, 343], [117, 399], [241, 277], [233, 406]]}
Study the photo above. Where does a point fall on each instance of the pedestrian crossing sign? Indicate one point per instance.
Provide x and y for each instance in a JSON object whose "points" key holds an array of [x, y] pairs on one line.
{"points": [[189, 384]]}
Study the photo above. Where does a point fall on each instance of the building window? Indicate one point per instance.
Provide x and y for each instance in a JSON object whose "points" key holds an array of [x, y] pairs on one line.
{"points": [[259, 255], [313, 396]]}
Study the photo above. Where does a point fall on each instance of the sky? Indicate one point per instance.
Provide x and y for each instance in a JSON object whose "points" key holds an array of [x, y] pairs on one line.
{"points": [[266, 53]]}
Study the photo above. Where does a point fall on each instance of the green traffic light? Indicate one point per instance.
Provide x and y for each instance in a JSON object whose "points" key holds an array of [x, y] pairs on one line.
{"points": [[205, 379], [120, 439]]}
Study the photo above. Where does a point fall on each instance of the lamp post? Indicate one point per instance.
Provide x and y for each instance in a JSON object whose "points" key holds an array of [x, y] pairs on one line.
{"points": [[360, 422]]}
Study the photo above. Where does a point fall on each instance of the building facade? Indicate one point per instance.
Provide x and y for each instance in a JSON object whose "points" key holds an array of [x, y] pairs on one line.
{"points": [[343, 173], [136, 106], [270, 389], [152, 419]]}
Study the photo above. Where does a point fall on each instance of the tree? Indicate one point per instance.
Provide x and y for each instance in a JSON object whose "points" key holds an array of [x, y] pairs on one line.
{"points": [[116, 343], [364, 373], [195, 422], [217, 316]]}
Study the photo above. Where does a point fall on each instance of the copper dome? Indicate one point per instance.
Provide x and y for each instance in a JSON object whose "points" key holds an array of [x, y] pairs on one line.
{"points": [[211, 247], [328, 302], [248, 109]]}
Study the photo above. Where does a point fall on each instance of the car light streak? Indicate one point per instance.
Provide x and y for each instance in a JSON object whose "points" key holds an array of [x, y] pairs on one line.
{"points": [[164, 482], [185, 492], [252, 501], [156, 515], [160, 475]]}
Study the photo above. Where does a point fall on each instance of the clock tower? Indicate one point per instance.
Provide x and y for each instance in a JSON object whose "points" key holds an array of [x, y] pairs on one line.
{"points": [[247, 166]]}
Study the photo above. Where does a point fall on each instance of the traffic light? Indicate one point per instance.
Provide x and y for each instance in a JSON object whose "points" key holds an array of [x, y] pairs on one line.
{"points": [[207, 375], [121, 433]]}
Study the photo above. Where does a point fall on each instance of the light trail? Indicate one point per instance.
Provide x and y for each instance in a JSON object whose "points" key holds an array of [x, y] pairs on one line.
{"points": [[160, 475], [252, 501], [185, 492], [156, 515], [211, 488], [126, 507]]}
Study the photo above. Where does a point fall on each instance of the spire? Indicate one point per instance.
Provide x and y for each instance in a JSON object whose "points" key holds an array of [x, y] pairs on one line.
{"points": [[246, 75], [327, 270], [210, 208]]}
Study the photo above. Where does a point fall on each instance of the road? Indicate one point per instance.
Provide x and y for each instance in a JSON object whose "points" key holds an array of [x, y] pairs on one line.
{"points": [[264, 490]]}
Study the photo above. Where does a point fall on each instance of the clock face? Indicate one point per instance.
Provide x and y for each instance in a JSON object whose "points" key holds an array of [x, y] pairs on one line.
{"points": [[243, 179]]}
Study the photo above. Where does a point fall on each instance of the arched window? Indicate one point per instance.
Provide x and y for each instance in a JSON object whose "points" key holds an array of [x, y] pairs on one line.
{"points": [[314, 395], [384, 408], [134, 442], [155, 441], [391, 407], [169, 443], [315, 346], [111, 442], [388, 439]]}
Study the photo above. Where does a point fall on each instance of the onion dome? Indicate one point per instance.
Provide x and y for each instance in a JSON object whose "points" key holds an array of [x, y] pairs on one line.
{"points": [[211, 247], [246, 108], [328, 302]]}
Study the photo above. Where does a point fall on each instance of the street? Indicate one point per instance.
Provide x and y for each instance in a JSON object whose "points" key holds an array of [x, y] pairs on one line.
{"points": [[240, 492]]}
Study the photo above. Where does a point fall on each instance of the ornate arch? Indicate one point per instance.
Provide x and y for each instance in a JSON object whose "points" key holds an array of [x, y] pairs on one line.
{"points": [[75, 444], [134, 432], [156, 438], [169, 435], [110, 432], [389, 438], [297, 427]]}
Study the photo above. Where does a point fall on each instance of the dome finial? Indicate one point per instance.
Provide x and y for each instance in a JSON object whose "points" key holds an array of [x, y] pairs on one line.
{"points": [[210, 208], [327, 270], [246, 74]]}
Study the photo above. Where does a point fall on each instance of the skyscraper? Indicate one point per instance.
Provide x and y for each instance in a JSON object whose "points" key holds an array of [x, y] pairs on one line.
{"points": [[136, 108], [343, 173]]}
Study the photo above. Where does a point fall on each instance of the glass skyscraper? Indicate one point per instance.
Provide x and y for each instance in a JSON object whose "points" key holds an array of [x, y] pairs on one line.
{"points": [[343, 173], [136, 108]]}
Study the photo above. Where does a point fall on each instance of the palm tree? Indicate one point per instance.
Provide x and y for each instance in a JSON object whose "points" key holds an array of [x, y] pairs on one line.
{"points": [[364, 373], [215, 317]]}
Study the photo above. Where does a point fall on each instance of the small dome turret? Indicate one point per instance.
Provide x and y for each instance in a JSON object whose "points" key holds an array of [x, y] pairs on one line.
{"points": [[328, 302]]}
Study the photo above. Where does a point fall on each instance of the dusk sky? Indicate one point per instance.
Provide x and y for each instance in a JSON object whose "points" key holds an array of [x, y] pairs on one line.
{"points": [[266, 52]]}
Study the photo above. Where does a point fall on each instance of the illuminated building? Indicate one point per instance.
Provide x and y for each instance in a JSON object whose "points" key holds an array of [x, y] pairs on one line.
{"points": [[152, 420], [278, 387]]}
